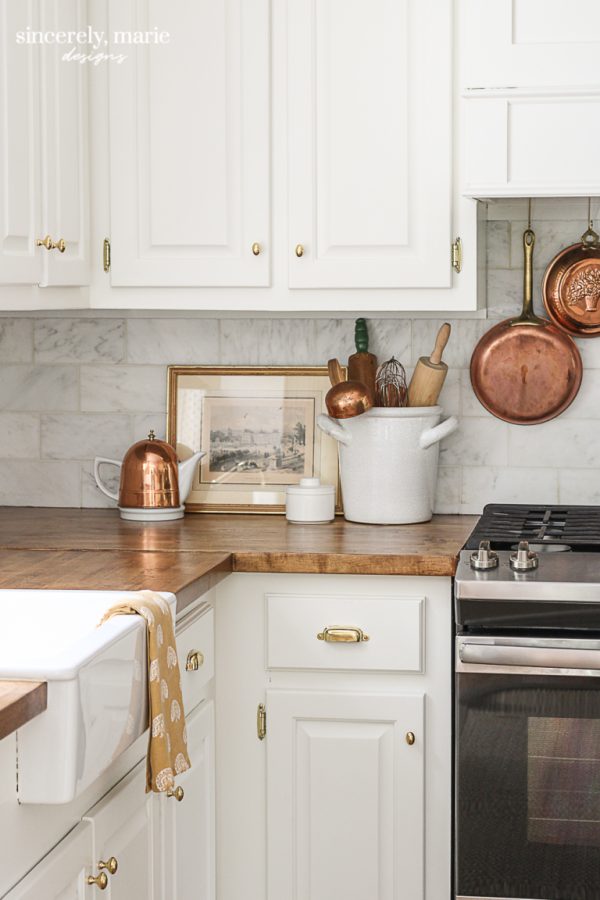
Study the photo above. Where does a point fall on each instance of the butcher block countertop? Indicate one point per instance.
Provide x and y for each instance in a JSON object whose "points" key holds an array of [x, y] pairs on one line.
{"points": [[90, 549]]}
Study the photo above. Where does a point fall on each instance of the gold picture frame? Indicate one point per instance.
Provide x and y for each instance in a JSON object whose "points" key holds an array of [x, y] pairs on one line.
{"points": [[258, 427]]}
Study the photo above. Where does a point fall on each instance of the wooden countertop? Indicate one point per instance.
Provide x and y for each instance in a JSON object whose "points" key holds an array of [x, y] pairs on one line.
{"points": [[256, 543], [88, 549], [20, 701]]}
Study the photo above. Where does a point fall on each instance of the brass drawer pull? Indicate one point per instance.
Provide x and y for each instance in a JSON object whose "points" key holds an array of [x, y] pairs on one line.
{"points": [[410, 738], [194, 660], [347, 634], [299, 251], [256, 248], [111, 865], [101, 880], [177, 793]]}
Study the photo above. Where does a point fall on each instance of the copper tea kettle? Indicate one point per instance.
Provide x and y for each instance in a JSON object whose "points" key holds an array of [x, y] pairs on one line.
{"points": [[154, 485]]}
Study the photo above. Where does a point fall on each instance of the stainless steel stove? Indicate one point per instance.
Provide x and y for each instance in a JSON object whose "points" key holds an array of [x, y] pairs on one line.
{"points": [[527, 609]]}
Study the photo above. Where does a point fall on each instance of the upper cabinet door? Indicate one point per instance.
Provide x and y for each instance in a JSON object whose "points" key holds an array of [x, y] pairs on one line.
{"points": [[369, 152], [64, 130], [20, 259], [525, 43], [189, 144]]}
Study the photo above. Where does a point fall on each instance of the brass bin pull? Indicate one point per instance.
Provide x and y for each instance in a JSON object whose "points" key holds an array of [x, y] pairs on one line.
{"points": [[346, 634], [194, 660], [111, 865], [101, 880], [178, 793]]}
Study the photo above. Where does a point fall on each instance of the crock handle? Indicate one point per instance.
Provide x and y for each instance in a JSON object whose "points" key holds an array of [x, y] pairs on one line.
{"points": [[109, 462], [433, 435], [334, 429]]}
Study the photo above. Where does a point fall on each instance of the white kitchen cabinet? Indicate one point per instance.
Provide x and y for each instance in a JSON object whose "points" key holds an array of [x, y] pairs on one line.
{"points": [[334, 801], [21, 262], [125, 827], [532, 143], [370, 144], [189, 145], [188, 827], [530, 84], [62, 875], [43, 149], [360, 190], [529, 43], [345, 785]]}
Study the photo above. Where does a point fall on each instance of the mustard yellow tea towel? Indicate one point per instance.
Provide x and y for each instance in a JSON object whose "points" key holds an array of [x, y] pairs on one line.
{"points": [[167, 745]]}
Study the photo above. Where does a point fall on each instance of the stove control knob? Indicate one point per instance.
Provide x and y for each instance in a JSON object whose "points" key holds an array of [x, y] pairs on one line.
{"points": [[524, 560], [484, 558]]}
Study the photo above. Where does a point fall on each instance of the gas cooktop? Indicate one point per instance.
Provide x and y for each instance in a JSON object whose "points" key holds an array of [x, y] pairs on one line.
{"points": [[546, 528]]}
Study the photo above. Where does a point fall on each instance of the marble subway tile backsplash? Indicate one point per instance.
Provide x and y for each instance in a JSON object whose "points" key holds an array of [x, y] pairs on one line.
{"points": [[76, 387]]}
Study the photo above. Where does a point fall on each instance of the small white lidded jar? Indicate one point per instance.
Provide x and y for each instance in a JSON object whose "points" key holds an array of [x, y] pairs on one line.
{"points": [[309, 502]]}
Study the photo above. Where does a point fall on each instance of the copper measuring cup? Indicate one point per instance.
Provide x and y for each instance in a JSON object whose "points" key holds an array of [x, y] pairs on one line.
{"points": [[345, 399]]}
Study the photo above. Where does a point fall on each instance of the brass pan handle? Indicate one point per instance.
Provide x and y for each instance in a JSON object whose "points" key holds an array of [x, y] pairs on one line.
{"points": [[346, 634]]}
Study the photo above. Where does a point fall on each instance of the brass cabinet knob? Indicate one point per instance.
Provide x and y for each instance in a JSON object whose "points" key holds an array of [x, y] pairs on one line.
{"points": [[101, 880], [111, 864], [178, 793], [299, 250], [346, 634], [49, 244], [410, 738], [194, 660], [256, 248]]}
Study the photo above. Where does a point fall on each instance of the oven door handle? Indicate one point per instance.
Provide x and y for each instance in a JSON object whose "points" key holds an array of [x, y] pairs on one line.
{"points": [[529, 657]]}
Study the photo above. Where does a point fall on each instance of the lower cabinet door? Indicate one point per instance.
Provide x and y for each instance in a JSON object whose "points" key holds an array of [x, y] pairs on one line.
{"points": [[124, 826], [188, 827], [345, 796], [62, 875]]}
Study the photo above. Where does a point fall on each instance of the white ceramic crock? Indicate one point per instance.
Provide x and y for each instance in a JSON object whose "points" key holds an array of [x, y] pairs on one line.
{"points": [[389, 461]]}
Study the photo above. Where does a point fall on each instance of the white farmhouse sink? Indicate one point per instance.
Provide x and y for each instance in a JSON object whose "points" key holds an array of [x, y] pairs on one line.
{"points": [[97, 685]]}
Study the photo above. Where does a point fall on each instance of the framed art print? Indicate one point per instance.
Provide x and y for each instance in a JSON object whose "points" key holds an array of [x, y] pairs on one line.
{"points": [[257, 427]]}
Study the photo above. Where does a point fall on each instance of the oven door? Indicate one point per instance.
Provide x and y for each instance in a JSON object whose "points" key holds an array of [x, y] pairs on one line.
{"points": [[527, 822]]}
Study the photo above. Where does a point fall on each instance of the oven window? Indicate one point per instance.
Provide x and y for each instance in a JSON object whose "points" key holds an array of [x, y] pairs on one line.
{"points": [[528, 787], [563, 780]]}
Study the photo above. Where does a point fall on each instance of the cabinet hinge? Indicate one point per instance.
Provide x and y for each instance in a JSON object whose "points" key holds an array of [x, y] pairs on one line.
{"points": [[261, 721], [457, 255], [106, 254]]}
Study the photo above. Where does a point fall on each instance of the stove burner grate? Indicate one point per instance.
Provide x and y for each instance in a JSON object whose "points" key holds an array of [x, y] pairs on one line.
{"points": [[505, 524]]}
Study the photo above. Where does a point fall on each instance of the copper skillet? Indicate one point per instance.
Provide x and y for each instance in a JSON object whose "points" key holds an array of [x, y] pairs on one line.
{"points": [[525, 370], [571, 287]]}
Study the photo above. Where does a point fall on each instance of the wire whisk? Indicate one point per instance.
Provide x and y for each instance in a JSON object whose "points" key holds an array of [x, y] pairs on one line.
{"points": [[390, 384]]}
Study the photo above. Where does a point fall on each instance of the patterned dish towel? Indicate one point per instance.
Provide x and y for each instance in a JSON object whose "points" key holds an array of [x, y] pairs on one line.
{"points": [[167, 746]]}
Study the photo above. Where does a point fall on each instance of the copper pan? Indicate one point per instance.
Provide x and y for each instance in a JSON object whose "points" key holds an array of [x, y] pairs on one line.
{"points": [[525, 370], [571, 287]]}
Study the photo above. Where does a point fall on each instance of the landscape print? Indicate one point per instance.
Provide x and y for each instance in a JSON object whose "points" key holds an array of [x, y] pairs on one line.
{"points": [[250, 440]]}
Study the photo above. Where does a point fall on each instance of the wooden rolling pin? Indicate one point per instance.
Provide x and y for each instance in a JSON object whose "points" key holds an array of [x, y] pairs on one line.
{"points": [[362, 365], [430, 373]]}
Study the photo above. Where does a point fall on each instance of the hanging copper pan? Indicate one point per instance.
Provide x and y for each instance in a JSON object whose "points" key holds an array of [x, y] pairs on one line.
{"points": [[525, 370], [571, 287]]}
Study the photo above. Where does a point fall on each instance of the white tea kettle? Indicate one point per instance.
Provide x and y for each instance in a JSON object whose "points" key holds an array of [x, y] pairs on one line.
{"points": [[154, 485]]}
